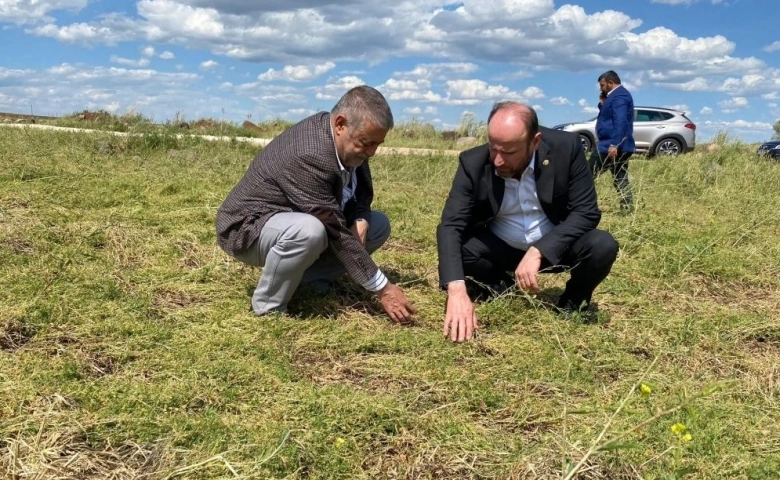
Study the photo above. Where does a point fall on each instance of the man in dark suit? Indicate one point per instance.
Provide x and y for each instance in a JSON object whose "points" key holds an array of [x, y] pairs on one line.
{"points": [[303, 210], [523, 202], [615, 133]]}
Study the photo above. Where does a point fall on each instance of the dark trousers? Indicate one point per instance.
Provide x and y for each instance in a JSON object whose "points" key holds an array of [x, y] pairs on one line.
{"points": [[491, 262], [619, 168]]}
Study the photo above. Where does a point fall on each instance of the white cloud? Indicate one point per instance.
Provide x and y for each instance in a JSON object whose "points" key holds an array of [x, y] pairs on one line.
{"points": [[733, 103], [532, 37], [586, 108], [299, 113], [705, 111], [474, 91], [533, 93], [67, 88], [28, 11], [297, 73], [679, 107], [336, 87], [413, 110], [684, 2], [741, 125], [442, 71], [663, 43], [674, 2], [208, 64], [418, 89], [528, 33], [141, 62], [85, 33], [10, 77], [773, 47]]}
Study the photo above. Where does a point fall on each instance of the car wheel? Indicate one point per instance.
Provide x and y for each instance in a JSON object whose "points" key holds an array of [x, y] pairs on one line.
{"points": [[586, 142], [668, 146]]}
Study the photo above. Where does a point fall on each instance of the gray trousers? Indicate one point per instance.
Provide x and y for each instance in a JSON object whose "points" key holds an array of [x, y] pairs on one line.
{"points": [[293, 249]]}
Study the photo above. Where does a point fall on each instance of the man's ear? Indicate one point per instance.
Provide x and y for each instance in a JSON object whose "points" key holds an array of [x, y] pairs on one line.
{"points": [[536, 140], [340, 123]]}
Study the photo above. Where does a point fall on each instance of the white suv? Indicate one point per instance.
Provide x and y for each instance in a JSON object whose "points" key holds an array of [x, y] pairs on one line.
{"points": [[657, 131]]}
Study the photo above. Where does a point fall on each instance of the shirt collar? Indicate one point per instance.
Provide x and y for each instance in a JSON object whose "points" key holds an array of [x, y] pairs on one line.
{"points": [[532, 163]]}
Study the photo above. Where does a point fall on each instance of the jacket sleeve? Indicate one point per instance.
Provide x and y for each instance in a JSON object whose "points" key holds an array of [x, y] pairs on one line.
{"points": [[583, 212], [454, 220], [620, 117]]}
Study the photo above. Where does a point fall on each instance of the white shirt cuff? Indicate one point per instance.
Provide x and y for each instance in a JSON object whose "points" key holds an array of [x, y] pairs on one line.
{"points": [[376, 283]]}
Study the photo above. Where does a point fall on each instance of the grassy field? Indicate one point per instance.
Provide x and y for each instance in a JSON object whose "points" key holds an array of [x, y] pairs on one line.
{"points": [[127, 348]]}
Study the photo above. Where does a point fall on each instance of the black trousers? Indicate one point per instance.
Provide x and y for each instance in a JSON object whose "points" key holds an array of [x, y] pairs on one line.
{"points": [[491, 262], [619, 169]]}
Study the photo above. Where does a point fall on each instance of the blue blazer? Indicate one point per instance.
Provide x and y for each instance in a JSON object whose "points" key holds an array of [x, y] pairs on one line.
{"points": [[615, 123]]}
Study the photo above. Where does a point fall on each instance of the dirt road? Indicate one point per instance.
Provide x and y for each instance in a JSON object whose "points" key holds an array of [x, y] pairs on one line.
{"points": [[212, 138]]}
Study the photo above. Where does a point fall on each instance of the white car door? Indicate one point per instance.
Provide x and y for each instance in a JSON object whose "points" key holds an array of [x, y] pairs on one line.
{"points": [[648, 126]]}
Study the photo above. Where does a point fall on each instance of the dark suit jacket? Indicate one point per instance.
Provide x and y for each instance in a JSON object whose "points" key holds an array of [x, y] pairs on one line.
{"points": [[564, 186], [299, 172], [615, 123]]}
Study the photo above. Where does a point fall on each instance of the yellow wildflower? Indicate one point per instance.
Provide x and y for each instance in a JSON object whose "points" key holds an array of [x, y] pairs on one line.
{"points": [[645, 390], [678, 429], [339, 442], [687, 437]]}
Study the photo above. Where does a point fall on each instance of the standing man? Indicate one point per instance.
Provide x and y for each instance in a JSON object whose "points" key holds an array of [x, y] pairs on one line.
{"points": [[523, 202], [615, 133], [302, 211]]}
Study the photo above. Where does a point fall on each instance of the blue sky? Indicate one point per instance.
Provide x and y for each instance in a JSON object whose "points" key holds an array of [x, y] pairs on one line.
{"points": [[435, 60]]}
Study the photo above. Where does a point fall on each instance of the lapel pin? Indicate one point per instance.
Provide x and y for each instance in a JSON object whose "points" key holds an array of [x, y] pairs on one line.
{"points": [[545, 162]]}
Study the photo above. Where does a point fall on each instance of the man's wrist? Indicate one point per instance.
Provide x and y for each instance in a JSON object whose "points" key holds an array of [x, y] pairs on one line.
{"points": [[455, 286], [534, 252]]}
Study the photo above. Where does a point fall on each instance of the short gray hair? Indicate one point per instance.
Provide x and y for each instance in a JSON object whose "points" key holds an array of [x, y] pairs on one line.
{"points": [[364, 104], [526, 112]]}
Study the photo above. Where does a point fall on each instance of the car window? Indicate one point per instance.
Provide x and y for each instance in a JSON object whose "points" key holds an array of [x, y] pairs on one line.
{"points": [[643, 115], [652, 116]]}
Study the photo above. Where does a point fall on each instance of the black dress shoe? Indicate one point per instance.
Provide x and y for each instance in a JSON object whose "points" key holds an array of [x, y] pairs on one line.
{"points": [[568, 307]]}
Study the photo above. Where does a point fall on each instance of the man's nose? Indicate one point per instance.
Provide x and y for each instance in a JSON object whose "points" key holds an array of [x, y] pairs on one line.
{"points": [[370, 151]]}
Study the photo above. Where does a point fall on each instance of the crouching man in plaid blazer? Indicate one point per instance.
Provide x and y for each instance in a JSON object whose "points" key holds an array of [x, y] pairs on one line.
{"points": [[302, 211]]}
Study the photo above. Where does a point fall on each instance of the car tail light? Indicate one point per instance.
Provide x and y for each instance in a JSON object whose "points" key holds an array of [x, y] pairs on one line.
{"points": [[691, 126]]}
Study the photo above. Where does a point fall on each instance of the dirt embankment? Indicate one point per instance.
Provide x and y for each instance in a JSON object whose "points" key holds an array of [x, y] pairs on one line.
{"points": [[21, 117]]}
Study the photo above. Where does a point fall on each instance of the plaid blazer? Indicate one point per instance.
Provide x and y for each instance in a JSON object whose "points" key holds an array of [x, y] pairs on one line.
{"points": [[299, 172]]}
